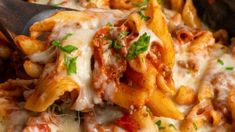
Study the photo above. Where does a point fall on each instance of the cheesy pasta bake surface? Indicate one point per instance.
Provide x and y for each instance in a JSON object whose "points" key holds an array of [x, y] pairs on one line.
{"points": [[120, 66]]}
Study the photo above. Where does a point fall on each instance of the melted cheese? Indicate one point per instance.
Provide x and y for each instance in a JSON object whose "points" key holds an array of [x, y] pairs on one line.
{"points": [[208, 69], [81, 38], [17, 120], [183, 76], [43, 57], [69, 124], [107, 114], [104, 116], [82, 35], [217, 77]]}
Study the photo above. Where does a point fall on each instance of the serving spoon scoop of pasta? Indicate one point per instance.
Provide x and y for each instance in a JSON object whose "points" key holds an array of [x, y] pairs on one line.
{"points": [[16, 16]]}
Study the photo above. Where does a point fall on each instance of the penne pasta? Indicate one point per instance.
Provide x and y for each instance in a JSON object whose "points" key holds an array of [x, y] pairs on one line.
{"points": [[167, 109], [185, 96], [32, 69], [48, 91], [29, 45], [157, 20], [189, 15], [177, 5]]}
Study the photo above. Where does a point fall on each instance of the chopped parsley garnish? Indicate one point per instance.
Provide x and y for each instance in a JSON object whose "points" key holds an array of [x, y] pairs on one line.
{"points": [[106, 38], [159, 125], [142, 15], [70, 63], [55, 5], [114, 44], [109, 24], [173, 126], [66, 36], [141, 4], [220, 62], [56, 43], [122, 35], [139, 46], [56, 108], [195, 126], [230, 68], [67, 48]]}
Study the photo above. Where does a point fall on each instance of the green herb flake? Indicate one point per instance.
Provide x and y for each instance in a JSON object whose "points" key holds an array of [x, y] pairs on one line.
{"points": [[56, 43], [56, 108], [55, 5], [106, 37], [220, 62], [70, 63], [114, 44], [142, 15], [66, 36], [69, 48], [159, 125], [141, 4], [138, 47], [109, 24], [195, 126], [173, 126], [122, 35], [230, 68]]}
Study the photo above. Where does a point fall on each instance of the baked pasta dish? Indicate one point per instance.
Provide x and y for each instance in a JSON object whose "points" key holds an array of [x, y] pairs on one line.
{"points": [[119, 66]]}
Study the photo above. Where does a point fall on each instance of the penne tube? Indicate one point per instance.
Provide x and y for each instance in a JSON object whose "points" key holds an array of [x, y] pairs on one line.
{"points": [[157, 20], [189, 15], [48, 91], [201, 42], [33, 69], [28, 45], [185, 96], [161, 105], [144, 120], [177, 5], [128, 97]]}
